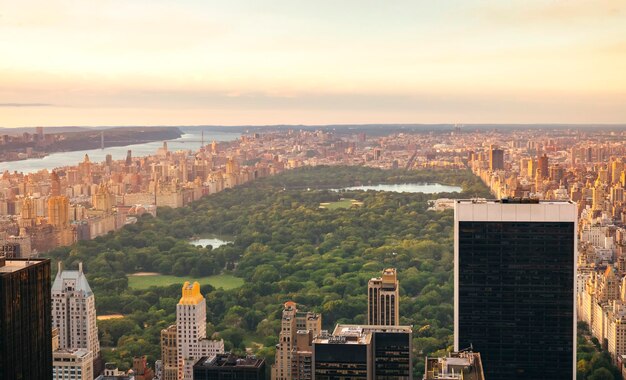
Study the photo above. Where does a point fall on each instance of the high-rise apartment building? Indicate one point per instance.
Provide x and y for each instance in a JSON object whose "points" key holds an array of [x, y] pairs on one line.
{"points": [[602, 304], [25, 322], [598, 196], [542, 163], [364, 352], [294, 348], [169, 354], [515, 273], [496, 158], [74, 312], [103, 200], [383, 299], [58, 211], [617, 167], [302, 356], [74, 364], [531, 169], [59, 218], [191, 331]]}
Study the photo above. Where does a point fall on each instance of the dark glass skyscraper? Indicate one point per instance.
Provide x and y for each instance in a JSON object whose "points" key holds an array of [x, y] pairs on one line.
{"points": [[25, 320], [515, 287], [364, 352], [496, 159]]}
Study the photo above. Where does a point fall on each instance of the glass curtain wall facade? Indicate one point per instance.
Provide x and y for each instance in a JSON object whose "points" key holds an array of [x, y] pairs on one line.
{"points": [[515, 297], [25, 320]]}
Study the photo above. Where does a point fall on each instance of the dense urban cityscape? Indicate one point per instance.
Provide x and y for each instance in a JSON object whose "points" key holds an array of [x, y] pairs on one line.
{"points": [[541, 170], [321, 190]]}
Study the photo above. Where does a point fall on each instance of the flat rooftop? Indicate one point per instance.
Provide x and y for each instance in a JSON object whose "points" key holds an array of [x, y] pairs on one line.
{"points": [[344, 329], [456, 366], [468, 210], [229, 361], [347, 334], [513, 201], [77, 352], [14, 265]]}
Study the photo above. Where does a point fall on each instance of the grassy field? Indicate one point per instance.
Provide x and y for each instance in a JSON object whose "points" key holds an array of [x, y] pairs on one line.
{"points": [[224, 281], [343, 203]]}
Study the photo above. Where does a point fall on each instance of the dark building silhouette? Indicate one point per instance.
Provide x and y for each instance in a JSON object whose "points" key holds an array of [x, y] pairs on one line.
{"points": [[10, 250], [496, 159], [229, 367], [363, 352], [392, 352], [344, 356], [542, 164], [514, 287], [25, 319]]}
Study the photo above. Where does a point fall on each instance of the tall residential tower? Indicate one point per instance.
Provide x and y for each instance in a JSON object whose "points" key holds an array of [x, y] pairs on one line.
{"points": [[294, 348], [383, 299], [191, 331], [496, 158], [74, 313]]}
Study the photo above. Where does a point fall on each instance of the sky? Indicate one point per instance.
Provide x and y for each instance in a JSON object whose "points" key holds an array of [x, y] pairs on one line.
{"points": [[260, 62]]}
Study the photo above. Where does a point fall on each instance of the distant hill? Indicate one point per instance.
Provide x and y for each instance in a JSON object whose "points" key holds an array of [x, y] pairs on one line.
{"points": [[19, 131]]}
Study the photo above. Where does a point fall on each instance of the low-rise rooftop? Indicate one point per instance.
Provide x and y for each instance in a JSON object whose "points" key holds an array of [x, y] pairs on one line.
{"points": [[229, 360], [465, 365], [14, 265]]}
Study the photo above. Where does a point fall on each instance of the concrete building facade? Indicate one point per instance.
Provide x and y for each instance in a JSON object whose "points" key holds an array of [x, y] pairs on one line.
{"points": [[383, 299], [74, 312], [191, 336]]}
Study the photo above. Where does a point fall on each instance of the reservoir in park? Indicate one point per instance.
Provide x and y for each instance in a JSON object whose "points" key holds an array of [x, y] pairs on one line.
{"points": [[427, 188], [213, 241]]}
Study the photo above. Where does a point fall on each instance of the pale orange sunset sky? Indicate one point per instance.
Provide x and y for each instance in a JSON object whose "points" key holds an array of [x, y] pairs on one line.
{"points": [[166, 62]]}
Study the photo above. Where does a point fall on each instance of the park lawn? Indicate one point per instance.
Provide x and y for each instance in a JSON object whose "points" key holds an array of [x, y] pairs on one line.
{"points": [[224, 281], [343, 203]]}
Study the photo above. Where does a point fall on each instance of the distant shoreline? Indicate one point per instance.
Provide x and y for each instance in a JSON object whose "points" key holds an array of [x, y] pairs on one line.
{"points": [[84, 140]]}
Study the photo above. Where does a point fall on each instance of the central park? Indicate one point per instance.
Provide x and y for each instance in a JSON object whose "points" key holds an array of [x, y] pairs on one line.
{"points": [[285, 246]]}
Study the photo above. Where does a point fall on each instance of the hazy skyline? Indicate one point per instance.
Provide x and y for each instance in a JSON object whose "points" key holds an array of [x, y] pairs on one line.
{"points": [[159, 62]]}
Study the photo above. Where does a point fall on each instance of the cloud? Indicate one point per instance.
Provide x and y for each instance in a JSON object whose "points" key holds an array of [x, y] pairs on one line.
{"points": [[27, 105]]}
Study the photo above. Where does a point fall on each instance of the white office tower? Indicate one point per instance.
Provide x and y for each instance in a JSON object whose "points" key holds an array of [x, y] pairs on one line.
{"points": [[191, 331], [74, 311]]}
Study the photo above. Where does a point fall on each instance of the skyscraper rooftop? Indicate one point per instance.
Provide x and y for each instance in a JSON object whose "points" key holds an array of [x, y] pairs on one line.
{"points": [[77, 277]]}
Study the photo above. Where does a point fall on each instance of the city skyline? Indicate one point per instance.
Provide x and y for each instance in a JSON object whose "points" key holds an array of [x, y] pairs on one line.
{"points": [[138, 224], [160, 63]]}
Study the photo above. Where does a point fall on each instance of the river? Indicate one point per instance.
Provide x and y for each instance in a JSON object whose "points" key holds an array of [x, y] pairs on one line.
{"points": [[189, 140]]}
